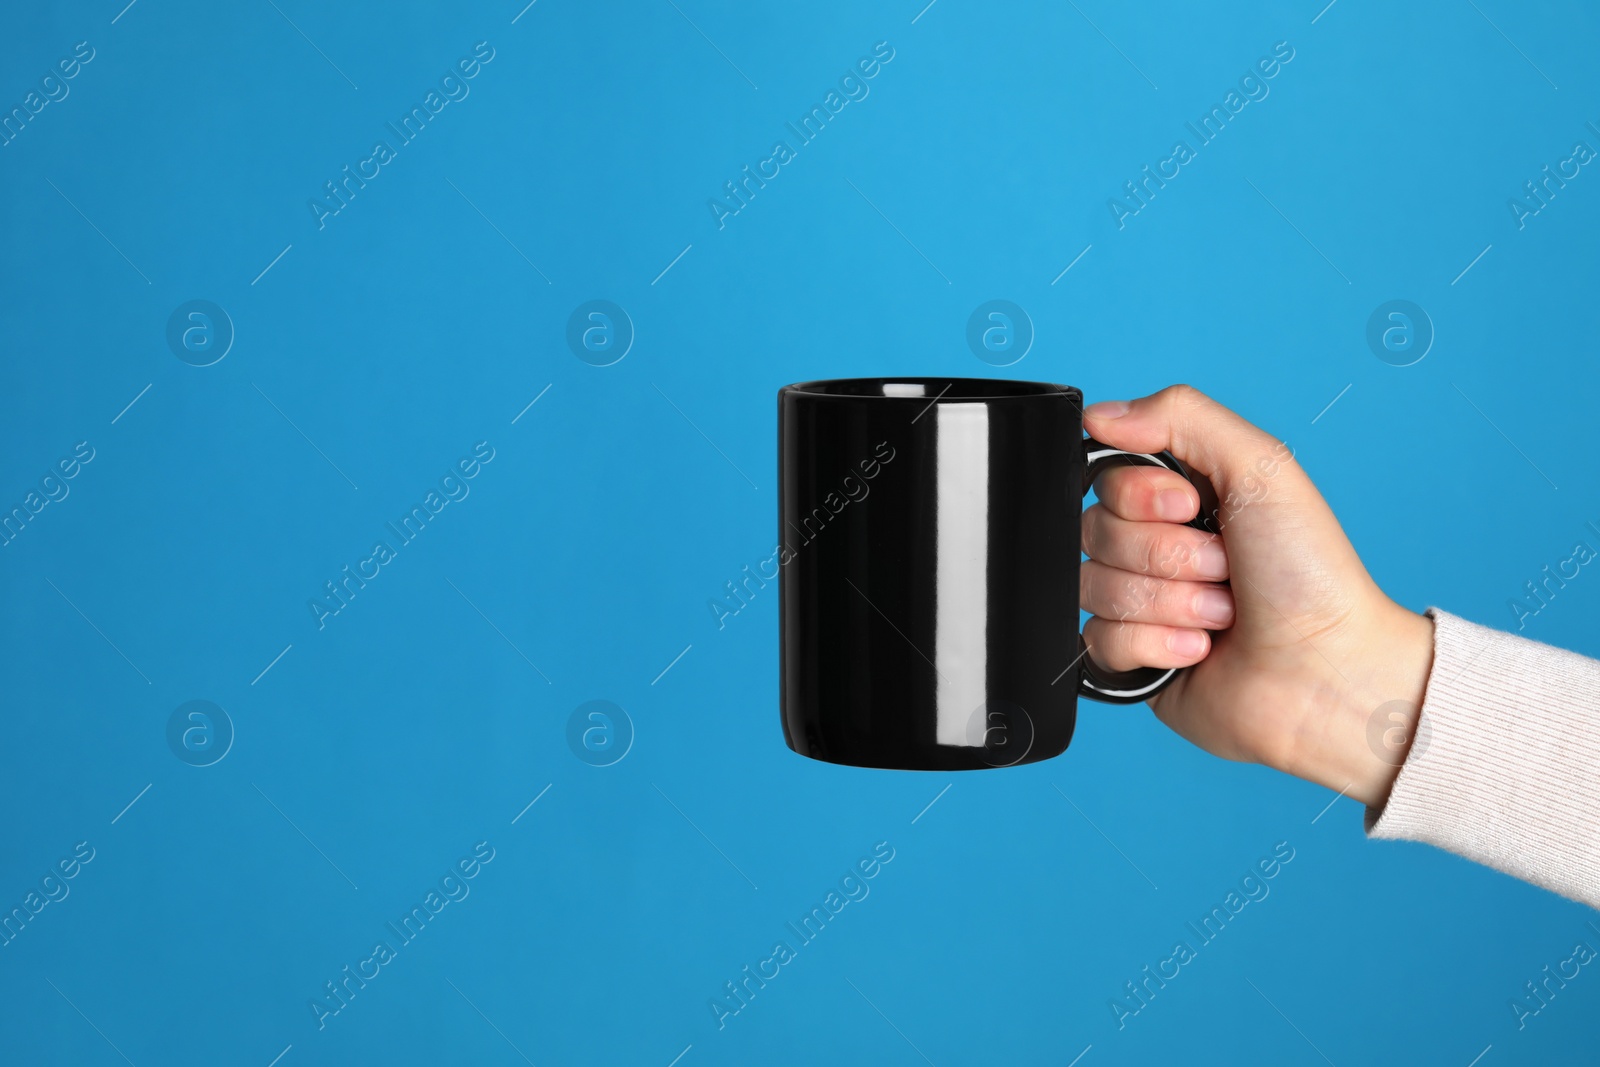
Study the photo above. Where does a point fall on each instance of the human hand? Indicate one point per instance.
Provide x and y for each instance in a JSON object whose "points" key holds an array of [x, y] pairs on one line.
{"points": [[1306, 647]]}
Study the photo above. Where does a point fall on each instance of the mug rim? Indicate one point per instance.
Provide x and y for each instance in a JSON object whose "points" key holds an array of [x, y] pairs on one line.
{"points": [[956, 389]]}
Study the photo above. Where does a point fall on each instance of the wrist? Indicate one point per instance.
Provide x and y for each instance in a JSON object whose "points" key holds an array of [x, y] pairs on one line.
{"points": [[1365, 730]]}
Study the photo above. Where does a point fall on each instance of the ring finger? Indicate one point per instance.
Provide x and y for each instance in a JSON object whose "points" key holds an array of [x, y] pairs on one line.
{"points": [[1123, 596]]}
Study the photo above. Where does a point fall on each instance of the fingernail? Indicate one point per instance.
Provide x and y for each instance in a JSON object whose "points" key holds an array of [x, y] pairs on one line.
{"points": [[1187, 643], [1214, 605], [1172, 505], [1107, 409], [1211, 561]]}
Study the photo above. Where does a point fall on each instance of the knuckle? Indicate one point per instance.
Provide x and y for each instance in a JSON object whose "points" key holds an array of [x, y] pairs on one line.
{"points": [[1138, 594], [1281, 454], [1112, 600], [1112, 488], [1167, 556], [1175, 397], [1110, 642], [1131, 495], [1150, 554], [1185, 394], [1177, 603], [1098, 596]]}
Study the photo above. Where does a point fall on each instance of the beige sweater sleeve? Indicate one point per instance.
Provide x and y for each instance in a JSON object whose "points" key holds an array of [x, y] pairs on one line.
{"points": [[1504, 768]]}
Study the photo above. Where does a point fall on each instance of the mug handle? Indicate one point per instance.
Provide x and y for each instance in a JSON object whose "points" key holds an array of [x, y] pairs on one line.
{"points": [[1141, 683]]}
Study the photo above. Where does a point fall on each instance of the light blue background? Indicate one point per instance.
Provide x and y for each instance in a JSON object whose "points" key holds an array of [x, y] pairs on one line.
{"points": [[409, 329]]}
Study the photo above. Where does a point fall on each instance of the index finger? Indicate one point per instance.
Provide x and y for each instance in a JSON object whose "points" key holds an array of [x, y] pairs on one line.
{"points": [[1147, 494]]}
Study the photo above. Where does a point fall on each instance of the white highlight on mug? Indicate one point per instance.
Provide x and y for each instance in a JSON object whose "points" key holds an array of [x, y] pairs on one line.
{"points": [[961, 630]]}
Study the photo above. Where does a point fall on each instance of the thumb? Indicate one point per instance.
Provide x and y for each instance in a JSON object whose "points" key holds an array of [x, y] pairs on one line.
{"points": [[1204, 435]]}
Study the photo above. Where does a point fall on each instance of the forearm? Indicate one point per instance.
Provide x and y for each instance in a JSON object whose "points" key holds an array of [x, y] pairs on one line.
{"points": [[1500, 766]]}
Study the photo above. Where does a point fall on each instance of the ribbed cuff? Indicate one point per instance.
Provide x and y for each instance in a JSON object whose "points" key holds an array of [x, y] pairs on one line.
{"points": [[1504, 767]]}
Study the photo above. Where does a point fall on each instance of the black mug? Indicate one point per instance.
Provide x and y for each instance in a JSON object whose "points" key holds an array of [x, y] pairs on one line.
{"points": [[929, 543]]}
